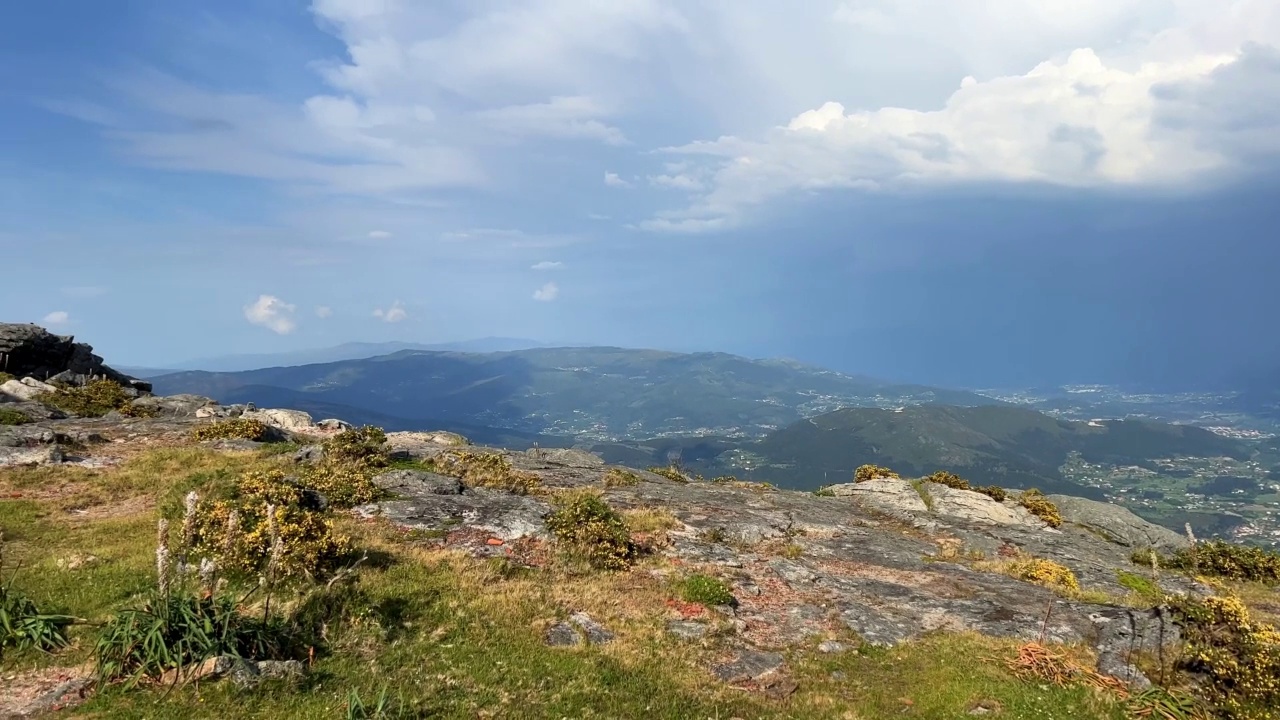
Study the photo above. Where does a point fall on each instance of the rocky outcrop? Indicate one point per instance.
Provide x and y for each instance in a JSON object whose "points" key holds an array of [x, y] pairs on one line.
{"points": [[31, 351], [1116, 524]]}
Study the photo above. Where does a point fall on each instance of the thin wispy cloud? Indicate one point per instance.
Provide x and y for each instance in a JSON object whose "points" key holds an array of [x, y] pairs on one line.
{"points": [[56, 318], [547, 292], [547, 265], [393, 314]]}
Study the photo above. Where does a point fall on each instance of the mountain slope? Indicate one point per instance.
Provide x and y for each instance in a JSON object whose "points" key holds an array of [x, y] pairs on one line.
{"points": [[598, 393], [1010, 446], [346, 351]]}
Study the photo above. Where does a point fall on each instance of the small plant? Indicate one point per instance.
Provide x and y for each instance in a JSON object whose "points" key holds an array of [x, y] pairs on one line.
{"points": [[705, 590], [9, 416], [714, 536], [1238, 656], [873, 472], [1037, 504], [93, 399], [22, 625], [6, 377], [619, 477], [1045, 573], [950, 479], [670, 472], [1146, 589], [995, 492], [381, 707], [923, 491], [591, 530], [344, 485], [1164, 704], [825, 491], [233, 429]]}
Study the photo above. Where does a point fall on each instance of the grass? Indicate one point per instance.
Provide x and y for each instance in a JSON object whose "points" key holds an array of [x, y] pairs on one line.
{"points": [[9, 416], [448, 636]]}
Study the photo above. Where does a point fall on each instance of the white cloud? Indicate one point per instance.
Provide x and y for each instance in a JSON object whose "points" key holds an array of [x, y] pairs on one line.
{"points": [[393, 314], [561, 117], [57, 317], [612, 179], [547, 265], [379, 234], [271, 313], [323, 311], [547, 292]]}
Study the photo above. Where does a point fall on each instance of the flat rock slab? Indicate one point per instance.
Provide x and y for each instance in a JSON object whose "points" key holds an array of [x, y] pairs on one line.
{"points": [[580, 629], [688, 629], [749, 665], [504, 516]]}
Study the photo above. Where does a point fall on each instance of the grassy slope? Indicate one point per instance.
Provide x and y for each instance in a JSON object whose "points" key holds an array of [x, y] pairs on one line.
{"points": [[455, 637]]}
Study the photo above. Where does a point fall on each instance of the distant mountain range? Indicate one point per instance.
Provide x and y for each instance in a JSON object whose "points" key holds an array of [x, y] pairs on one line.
{"points": [[589, 393], [345, 351]]}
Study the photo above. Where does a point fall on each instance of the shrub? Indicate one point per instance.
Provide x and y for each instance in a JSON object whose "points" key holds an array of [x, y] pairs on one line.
{"points": [[1037, 504], [93, 399], [951, 480], [619, 477], [6, 377], [344, 485], [825, 491], [1238, 656], [873, 472], [237, 530], [1228, 560], [670, 472], [364, 446], [9, 416], [706, 590], [483, 469], [233, 429], [591, 530], [1046, 573], [995, 492]]}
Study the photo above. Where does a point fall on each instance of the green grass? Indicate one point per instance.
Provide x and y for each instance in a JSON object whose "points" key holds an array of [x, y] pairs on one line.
{"points": [[9, 416], [454, 637]]}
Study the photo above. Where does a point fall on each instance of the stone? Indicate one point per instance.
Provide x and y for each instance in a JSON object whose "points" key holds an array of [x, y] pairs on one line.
{"points": [[25, 390], [1116, 524], [44, 455], [831, 647], [334, 425], [309, 455], [419, 481], [887, 495], [749, 665], [28, 350], [563, 634], [181, 406], [975, 507], [422, 445], [568, 457], [595, 632], [688, 629], [288, 420]]}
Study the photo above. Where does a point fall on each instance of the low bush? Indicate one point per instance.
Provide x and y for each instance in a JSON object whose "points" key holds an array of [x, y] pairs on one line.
{"points": [[995, 492], [670, 472], [1045, 573], [6, 377], [619, 477], [873, 472], [1037, 504], [950, 479], [9, 416], [344, 485], [93, 399], [825, 491], [365, 446], [233, 429], [237, 531], [706, 590], [1238, 657], [589, 529], [483, 469], [1223, 559]]}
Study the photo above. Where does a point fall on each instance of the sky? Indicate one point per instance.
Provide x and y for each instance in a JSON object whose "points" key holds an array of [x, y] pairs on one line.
{"points": [[963, 192]]}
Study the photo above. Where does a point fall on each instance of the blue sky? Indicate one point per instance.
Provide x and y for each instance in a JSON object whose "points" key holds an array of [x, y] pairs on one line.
{"points": [[964, 192]]}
